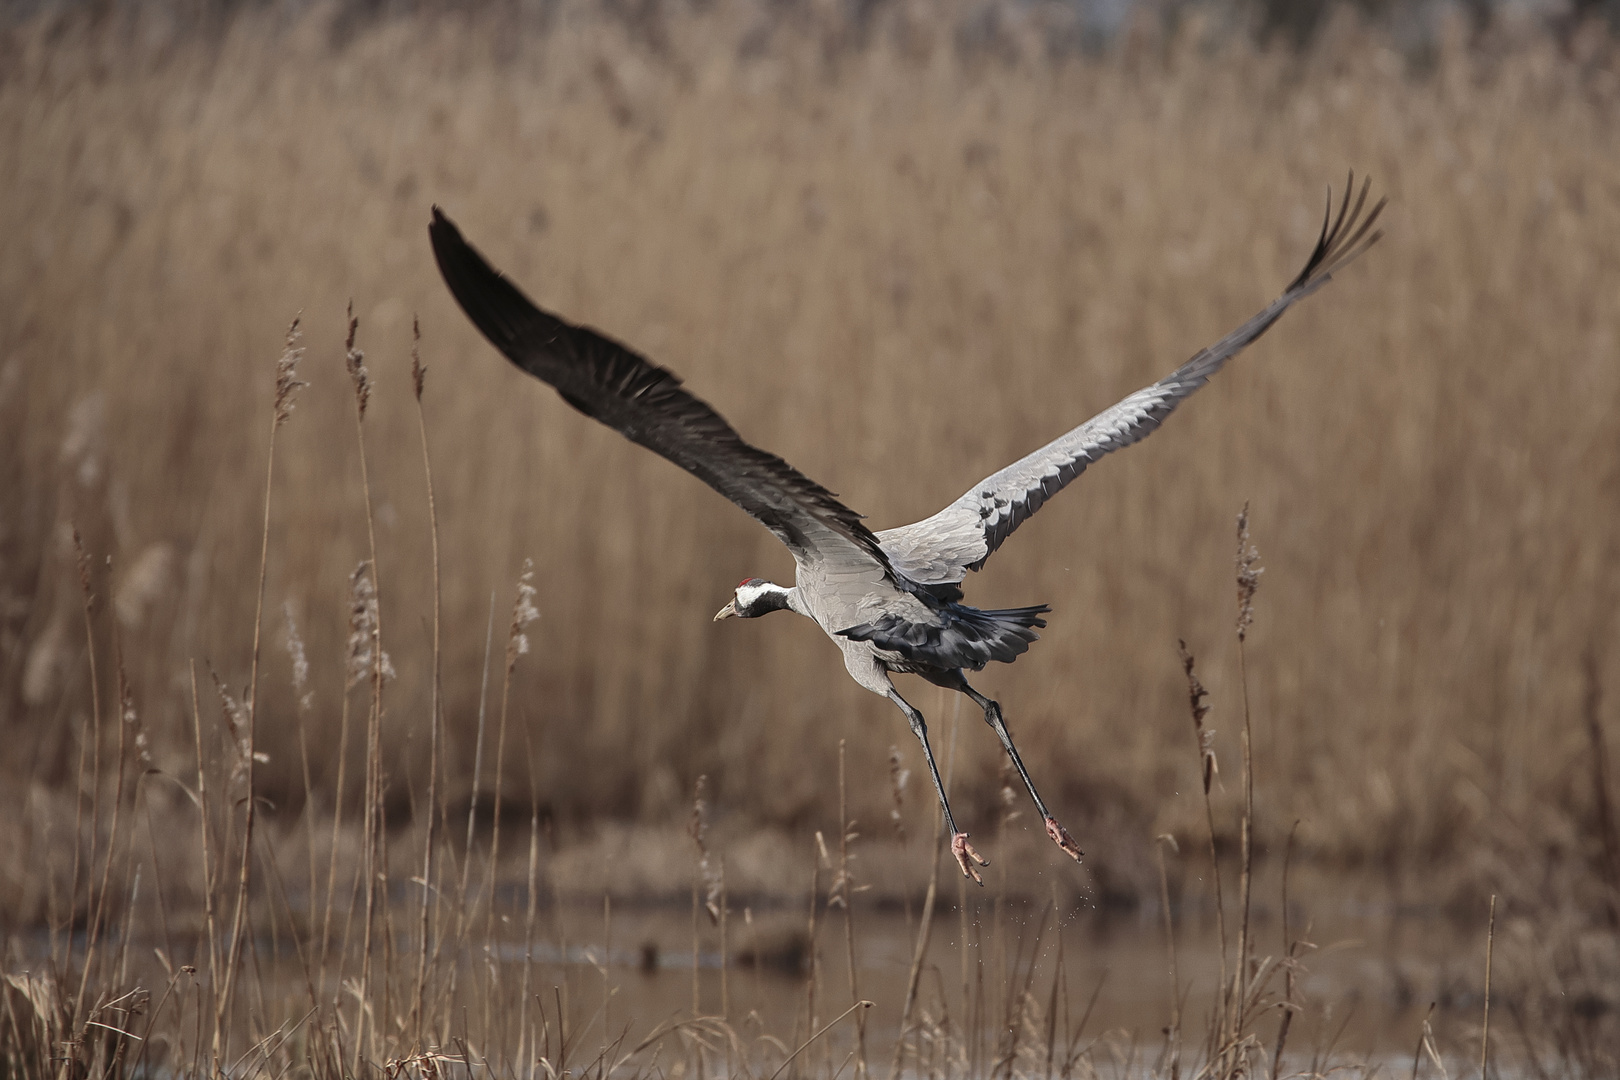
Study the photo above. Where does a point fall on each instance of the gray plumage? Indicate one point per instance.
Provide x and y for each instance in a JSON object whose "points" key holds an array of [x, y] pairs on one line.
{"points": [[942, 548], [890, 600]]}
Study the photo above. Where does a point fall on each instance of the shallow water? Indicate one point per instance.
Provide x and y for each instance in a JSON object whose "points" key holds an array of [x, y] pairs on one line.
{"points": [[1366, 986], [1080, 984]]}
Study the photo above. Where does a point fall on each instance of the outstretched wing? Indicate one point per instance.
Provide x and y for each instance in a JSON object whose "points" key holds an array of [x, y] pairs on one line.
{"points": [[647, 404], [962, 536]]}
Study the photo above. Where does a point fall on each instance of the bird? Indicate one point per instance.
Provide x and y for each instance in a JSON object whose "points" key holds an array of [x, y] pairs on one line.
{"points": [[890, 600]]}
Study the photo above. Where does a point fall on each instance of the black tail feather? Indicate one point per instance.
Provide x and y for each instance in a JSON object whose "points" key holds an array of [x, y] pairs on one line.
{"points": [[963, 637]]}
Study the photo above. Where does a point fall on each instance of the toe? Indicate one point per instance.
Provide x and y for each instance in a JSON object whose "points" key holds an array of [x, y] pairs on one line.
{"points": [[963, 851], [1060, 836]]}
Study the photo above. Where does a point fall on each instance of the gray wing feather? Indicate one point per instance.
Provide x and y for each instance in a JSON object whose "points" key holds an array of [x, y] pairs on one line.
{"points": [[962, 536]]}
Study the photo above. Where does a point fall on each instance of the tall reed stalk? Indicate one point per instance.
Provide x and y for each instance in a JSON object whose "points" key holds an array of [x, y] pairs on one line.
{"points": [[287, 386], [517, 643], [1290, 963], [92, 745], [525, 1037], [1208, 770], [1485, 1025], [357, 669], [375, 853], [206, 830], [87, 595], [1248, 582], [299, 658], [812, 967], [464, 907], [99, 905], [1172, 1034], [418, 380]]}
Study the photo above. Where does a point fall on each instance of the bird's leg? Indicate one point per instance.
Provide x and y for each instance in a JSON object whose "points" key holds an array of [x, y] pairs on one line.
{"points": [[960, 848], [992, 716]]}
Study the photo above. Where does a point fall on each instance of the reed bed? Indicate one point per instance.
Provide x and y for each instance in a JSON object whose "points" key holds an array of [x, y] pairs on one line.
{"points": [[899, 264], [899, 257], [415, 976]]}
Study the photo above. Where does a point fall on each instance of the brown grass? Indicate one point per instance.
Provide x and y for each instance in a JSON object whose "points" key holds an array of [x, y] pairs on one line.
{"points": [[898, 265]]}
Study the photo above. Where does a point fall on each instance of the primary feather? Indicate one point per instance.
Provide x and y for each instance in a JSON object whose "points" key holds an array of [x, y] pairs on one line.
{"points": [[941, 549], [648, 405]]}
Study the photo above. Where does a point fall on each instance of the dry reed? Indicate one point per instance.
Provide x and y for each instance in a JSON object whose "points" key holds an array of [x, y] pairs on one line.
{"points": [[1248, 583], [374, 844], [910, 265], [1095, 218], [435, 718], [1485, 1024]]}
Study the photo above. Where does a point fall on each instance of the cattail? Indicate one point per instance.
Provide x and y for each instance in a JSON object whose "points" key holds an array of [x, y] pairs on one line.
{"points": [[355, 360], [235, 715], [1195, 700], [1248, 574], [418, 372], [287, 381], [363, 616], [898, 778], [300, 660], [523, 613], [698, 829]]}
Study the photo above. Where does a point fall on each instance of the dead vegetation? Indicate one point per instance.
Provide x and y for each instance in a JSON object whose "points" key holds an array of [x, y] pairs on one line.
{"points": [[905, 255], [898, 261]]}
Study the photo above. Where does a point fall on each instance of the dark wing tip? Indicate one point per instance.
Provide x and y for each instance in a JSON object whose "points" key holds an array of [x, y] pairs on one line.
{"points": [[612, 383], [496, 306], [1344, 236], [454, 255], [442, 231]]}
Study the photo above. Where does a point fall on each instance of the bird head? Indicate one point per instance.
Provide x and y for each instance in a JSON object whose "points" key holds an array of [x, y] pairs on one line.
{"points": [[755, 596]]}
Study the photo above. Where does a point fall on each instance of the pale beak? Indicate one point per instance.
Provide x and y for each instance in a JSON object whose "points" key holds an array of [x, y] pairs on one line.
{"points": [[727, 612]]}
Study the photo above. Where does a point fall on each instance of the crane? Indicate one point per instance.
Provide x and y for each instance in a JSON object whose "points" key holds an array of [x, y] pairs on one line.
{"points": [[890, 600]]}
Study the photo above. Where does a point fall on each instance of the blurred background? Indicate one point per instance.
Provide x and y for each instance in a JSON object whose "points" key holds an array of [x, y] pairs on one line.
{"points": [[899, 244]]}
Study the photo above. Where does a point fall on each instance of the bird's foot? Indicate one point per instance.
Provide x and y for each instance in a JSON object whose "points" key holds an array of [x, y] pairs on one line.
{"points": [[1060, 836], [963, 852]]}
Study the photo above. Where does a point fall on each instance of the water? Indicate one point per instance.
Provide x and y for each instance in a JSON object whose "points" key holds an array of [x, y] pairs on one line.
{"points": [[1001, 979], [1366, 986]]}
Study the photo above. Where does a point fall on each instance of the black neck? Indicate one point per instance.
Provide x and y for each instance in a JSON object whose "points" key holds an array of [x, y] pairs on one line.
{"points": [[774, 598]]}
